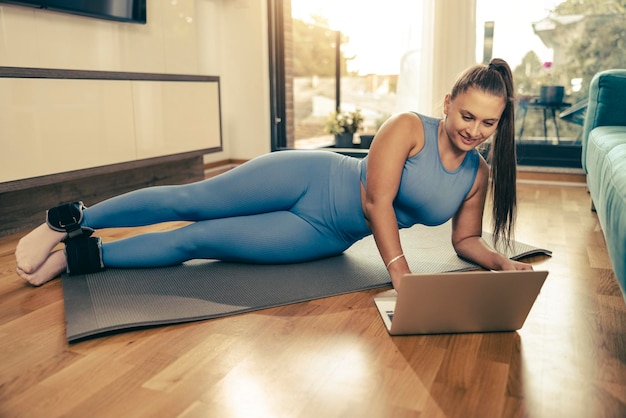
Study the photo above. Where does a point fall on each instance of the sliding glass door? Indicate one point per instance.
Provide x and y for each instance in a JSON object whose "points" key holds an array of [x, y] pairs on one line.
{"points": [[344, 56]]}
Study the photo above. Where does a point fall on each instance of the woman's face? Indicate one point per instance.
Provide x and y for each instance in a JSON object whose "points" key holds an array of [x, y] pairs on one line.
{"points": [[472, 117]]}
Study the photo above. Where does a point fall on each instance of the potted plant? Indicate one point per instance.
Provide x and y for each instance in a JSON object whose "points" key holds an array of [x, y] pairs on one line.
{"points": [[344, 125], [549, 92]]}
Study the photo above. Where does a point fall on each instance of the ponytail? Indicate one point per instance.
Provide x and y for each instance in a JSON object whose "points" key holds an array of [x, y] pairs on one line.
{"points": [[502, 157]]}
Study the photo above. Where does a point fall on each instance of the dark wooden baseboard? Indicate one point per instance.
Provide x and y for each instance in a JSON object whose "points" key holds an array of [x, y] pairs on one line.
{"points": [[539, 154], [549, 155], [24, 208]]}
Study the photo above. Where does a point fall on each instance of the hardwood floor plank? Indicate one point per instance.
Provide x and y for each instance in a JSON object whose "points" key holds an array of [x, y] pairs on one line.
{"points": [[486, 396], [179, 371], [458, 366], [28, 375], [37, 336], [498, 346], [69, 386]]}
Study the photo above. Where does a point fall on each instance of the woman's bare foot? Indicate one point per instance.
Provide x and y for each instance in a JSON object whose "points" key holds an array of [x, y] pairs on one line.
{"points": [[52, 267], [34, 248]]}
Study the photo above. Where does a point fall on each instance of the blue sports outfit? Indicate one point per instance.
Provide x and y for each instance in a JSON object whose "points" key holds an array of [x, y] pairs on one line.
{"points": [[282, 207]]}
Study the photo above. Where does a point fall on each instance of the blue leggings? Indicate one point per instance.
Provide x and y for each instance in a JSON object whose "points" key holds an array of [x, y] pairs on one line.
{"points": [[283, 207]]}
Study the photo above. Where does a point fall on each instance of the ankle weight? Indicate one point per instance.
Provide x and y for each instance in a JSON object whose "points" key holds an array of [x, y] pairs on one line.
{"points": [[84, 255], [67, 218]]}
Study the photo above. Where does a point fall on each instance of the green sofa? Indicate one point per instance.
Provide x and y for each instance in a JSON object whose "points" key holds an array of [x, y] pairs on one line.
{"points": [[604, 161]]}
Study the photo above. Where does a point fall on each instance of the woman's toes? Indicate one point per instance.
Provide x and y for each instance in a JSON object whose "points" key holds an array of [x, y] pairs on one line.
{"points": [[52, 267], [34, 248]]}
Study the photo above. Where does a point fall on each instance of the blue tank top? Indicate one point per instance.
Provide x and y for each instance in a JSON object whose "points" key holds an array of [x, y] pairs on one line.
{"points": [[428, 193]]}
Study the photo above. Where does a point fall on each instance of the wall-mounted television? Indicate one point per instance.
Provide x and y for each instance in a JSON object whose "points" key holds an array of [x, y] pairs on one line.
{"points": [[132, 11]]}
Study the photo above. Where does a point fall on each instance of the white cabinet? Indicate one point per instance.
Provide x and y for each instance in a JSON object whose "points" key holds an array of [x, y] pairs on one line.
{"points": [[56, 121], [171, 118]]}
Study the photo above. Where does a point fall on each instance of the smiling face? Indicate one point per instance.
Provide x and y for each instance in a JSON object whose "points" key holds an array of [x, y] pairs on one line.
{"points": [[471, 118]]}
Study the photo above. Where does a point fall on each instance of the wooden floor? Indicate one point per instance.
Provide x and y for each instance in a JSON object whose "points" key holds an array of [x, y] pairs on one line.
{"points": [[332, 357]]}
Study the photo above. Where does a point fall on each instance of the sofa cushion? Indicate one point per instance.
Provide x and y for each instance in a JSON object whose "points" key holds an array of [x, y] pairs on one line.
{"points": [[606, 162], [603, 139], [606, 104]]}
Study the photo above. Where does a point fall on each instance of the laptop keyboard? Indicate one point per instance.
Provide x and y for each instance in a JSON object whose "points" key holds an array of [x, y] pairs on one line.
{"points": [[390, 315]]}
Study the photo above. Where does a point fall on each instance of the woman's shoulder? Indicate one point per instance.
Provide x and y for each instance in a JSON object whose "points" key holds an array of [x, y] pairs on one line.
{"points": [[406, 119], [405, 124], [414, 117], [427, 120]]}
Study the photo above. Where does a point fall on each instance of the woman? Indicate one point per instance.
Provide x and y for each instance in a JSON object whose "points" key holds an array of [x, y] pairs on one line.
{"points": [[296, 206]]}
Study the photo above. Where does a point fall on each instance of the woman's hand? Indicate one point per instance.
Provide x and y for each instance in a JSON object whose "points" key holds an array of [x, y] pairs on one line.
{"points": [[509, 264]]}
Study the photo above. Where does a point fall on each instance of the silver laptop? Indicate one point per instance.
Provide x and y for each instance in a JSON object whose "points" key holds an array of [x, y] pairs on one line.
{"points": [[474, 301]]}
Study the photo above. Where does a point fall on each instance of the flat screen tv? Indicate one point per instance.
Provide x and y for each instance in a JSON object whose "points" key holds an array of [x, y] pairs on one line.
{"points": [[132, 11]]}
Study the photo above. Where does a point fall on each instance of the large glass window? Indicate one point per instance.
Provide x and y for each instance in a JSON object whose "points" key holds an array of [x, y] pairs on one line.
{"points": [[348, 55], [345, 57]]}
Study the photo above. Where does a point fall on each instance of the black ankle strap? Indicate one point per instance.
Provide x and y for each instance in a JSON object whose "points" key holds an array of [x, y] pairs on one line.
{"points": [[68, 218], [84, 255]]}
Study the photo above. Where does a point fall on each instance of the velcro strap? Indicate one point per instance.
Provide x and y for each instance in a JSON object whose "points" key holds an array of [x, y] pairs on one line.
{"points": [[84, 255], [66, 218], [83, 231]]}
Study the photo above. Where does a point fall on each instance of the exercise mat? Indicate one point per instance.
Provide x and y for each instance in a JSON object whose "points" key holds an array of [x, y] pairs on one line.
{"points": [[121, 299]]}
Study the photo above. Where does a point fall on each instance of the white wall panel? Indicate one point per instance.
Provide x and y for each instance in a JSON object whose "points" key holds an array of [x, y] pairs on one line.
{"points": [[179, 36], [37, 38], [175, 117], [50, 126], [18, 44]]}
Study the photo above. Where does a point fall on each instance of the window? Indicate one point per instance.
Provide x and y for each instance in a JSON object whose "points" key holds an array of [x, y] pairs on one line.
{"points": [[343, 56], [388, 57]]}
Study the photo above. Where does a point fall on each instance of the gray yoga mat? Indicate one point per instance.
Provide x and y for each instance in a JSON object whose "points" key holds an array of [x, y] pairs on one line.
{"points": [[116, 299]]}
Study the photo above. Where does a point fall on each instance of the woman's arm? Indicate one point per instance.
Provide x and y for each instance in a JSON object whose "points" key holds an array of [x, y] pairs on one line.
{"points": [[467, 229], [400, 137]]}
